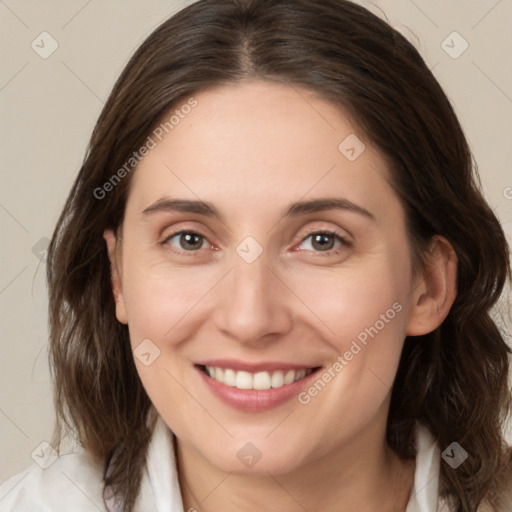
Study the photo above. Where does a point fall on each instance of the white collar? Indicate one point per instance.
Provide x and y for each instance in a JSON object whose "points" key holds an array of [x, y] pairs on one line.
{"points": [[424, 494], [160, 486]]}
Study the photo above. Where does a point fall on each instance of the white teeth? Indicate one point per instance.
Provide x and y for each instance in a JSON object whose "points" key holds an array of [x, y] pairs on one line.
{"points": [[230, 377], [289, 377], [259, 380], [277, 379], [300, 374], [243, 380]]}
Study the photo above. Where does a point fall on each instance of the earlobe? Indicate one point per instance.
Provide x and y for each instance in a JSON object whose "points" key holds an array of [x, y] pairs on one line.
{"points": [[115, 272], [435, 290]]}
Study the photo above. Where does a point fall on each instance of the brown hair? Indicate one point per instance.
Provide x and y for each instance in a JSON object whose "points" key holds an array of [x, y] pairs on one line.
{"points": [[453, 380]]}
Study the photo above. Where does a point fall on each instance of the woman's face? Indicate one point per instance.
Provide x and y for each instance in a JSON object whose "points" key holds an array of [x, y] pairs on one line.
{"points": [[295, 258]]}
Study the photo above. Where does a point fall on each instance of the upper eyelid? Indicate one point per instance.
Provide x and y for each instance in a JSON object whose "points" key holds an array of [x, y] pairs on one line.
{"points": [[329, 231], [169, 232]]}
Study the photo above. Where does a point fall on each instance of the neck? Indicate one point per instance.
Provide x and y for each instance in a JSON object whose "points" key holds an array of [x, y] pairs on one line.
{"points": [[365, 475]]}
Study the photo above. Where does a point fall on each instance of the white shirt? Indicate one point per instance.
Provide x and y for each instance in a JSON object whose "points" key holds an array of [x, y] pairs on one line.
{"points": [[73, 482]]}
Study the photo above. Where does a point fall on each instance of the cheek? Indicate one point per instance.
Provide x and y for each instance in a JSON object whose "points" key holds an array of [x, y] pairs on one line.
{"points": [[165, 306], [159, 298], [357, 301], [365, 309]]}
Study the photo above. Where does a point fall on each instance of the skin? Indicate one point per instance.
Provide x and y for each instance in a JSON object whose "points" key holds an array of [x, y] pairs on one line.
{"points": [[250, 150]]}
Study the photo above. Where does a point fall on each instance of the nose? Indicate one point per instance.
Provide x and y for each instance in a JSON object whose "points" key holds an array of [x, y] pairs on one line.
{"points": [[253, 305]]}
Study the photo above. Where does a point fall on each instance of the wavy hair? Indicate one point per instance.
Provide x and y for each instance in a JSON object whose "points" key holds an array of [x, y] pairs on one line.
{"points": [[453, 380]]}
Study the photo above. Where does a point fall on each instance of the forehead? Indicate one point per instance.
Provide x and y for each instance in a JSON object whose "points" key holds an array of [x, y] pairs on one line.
{"points": [[258, 142]]}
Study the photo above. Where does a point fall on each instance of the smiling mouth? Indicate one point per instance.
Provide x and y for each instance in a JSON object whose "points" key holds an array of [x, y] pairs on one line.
{"points": [[259, 381]]}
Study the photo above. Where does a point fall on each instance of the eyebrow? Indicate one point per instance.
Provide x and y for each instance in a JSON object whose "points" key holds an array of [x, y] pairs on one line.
{"points": [[182, 205], [329, 203], [295, 209]]}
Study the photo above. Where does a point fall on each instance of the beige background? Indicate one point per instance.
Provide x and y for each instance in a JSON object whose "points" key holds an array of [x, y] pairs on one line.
{"points": [[49, 107]]}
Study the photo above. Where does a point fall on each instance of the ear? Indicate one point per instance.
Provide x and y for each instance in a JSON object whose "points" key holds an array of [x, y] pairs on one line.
{"points": [[115, 271], [435, 290]]}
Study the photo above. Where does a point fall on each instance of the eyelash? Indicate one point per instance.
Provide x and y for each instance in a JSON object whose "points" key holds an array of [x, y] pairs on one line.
{"points": [[331, 252]]}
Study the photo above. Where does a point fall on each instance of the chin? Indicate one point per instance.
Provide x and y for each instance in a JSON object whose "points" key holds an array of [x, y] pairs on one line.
{"points": [[248, 459]]}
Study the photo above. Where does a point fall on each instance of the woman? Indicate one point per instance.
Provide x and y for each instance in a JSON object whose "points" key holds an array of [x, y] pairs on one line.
{"points": [[270, 285]]}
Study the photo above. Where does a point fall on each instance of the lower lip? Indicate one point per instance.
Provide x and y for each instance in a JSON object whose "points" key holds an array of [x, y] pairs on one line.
{"points": [[255, 400]]}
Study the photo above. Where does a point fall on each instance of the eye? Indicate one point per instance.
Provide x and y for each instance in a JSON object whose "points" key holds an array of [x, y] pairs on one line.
{"points": [[187, 241], [323, 241]]}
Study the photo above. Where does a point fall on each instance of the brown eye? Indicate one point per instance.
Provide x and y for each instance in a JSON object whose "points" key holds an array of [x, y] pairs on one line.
{"points": [[322, 241], [187, 241]]}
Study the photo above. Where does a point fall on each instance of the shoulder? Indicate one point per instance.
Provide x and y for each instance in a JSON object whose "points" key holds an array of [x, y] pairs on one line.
{"points": [[71, 481]]}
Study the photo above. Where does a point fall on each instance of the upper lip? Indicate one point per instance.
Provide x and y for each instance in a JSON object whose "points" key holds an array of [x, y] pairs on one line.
{"points": [[253, 366]]}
